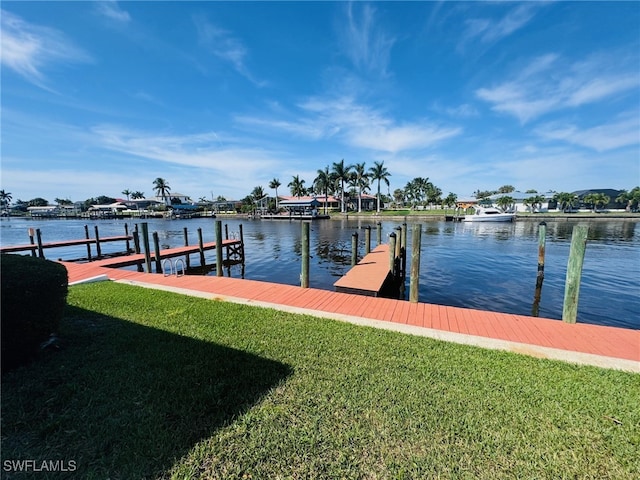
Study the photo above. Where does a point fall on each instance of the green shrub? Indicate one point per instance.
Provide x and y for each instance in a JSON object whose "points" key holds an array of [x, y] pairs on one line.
{"points": [[34, 293]]}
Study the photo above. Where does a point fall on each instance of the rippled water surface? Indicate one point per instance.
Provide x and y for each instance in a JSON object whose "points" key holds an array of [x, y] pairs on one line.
{"points": [[485, 266]]}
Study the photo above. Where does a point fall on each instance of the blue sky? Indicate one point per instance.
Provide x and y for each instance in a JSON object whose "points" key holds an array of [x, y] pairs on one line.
{"points": [[218, 97]]}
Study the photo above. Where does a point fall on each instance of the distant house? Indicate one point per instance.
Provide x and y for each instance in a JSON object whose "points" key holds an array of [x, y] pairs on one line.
{"points": [[521, 201], [612, 194], [47, 211], [368, 202], [332, 202]]}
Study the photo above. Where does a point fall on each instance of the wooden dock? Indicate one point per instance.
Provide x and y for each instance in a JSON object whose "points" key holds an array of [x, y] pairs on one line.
{"points": [[63, 243], [602, 346], [371, 276]]}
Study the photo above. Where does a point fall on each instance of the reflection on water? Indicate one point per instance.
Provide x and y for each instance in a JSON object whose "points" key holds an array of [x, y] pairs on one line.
{"points": [[478, 265]]}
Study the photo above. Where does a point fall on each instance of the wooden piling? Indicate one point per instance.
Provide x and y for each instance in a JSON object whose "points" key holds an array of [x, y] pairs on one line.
{"points": [[379, 233], [156, 249], [367, 240], [542, 240], [403, 250], [241, 243], [136, 239], [414, 283], [86, 235], [145, 244], [201, 249], [304, 269], [574, 273], [32, 241], [39, 241], [392, 254], [126, 234], [354, 249], [98, 248], [219, 271], [186, 244], [398, 242]]}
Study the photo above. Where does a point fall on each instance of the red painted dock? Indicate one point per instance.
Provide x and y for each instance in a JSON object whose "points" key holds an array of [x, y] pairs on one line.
{"points": [[608, 347]]}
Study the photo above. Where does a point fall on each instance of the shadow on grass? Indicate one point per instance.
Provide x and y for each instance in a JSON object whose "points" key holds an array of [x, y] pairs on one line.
{"points": [[122, 400]]}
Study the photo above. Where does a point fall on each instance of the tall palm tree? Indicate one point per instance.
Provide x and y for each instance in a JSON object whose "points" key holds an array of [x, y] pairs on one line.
{"points": [[297, 186], [162, 188], [379, 173], [137, 194], [322, 183], [360, 181], [127, 193], [341, 175], [275, 183], [5, 198]]}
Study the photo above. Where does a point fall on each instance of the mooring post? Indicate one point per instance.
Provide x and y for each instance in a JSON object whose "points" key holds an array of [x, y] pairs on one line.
{"points": [[226, 231], [304, 269], [219, 271], [367, 240], [403, 250], [414, 283], [354, 248], [156, 249], [398, 241], [145, 244], [136, 239], [201, 249], [379, 233], [241, 243], [39, 240], [126, 234], [32, 232], [542, 240], [574, 273], [98, 249], [187, 260], [392, 254], [86, 235]]}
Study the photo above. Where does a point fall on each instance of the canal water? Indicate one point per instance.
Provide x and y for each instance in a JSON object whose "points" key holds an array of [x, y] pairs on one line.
{"points": [[488, 266]]}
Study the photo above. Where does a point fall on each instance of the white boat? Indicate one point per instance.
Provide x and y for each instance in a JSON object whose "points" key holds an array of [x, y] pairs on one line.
{"points": [[489, 214]]}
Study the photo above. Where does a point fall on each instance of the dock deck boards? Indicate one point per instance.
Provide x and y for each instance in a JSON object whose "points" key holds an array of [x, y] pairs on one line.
{"points": [[603, 346], [369, 275]]}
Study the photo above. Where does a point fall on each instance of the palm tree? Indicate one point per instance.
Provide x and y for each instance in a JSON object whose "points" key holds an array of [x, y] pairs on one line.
{"points": [[450, 200], [322, 183], [399, 196], [565, 200], [126, 192], [360, 181], [137, 194], [5, 198], [275, 183], [505, 202], [597, 199], [162, 189], [297, 186], [341, 175], [631, 199], [379, 173]]}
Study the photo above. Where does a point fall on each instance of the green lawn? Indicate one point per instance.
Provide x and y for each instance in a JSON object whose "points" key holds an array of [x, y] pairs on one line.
{"points": [[150, 384]]}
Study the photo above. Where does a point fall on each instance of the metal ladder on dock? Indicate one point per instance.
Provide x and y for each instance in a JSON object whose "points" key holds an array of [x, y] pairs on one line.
{"points": [[178, 269]]}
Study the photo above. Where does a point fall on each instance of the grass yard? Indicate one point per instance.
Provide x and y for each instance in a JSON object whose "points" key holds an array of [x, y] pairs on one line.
{"points": [[150, 384]]}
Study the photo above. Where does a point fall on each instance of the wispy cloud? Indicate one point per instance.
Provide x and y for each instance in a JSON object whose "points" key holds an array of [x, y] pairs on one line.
{"points": [[623, 132], [550, 83], [28, 49], [364, 42], [225, 46], [112, 10], [355, 125], [490, 31]]}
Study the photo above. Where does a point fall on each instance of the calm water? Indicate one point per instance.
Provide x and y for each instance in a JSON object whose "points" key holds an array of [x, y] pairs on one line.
{"points": [[485, 266]]}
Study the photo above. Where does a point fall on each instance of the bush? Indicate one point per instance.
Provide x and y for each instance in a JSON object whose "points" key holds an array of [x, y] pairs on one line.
{"points": [[34, 293]]}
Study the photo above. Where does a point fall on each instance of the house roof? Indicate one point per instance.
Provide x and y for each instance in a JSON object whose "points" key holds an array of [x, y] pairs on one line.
{"points": [[301, 202]]}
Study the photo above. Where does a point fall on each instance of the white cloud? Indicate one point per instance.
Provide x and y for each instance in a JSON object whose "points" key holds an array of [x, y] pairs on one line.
{"points": [[112, 10], [490, 31], [356, 125], [28, 49], [364, 42], [549, 83], [225, 46], [621, 133]]}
